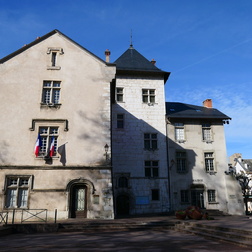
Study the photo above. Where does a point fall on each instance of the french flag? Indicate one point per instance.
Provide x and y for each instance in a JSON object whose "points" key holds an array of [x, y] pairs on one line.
{"points": [[37, 145], [51, 151]]}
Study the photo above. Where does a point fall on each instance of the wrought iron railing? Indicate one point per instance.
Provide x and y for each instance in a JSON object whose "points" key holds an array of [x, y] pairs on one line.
{"points": [[34, 215], [3, 218]]}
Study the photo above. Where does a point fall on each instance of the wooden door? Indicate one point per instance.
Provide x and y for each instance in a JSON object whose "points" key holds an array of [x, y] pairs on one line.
{"points": [[79, 201]]}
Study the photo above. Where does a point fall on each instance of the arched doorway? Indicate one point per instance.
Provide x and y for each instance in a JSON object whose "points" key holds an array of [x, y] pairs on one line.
{"points": [[122, 205], [78, 195], [80, 191]]}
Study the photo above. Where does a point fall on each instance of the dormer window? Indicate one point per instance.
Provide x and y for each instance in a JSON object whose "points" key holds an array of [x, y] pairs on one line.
{"points": [[54, 53]]}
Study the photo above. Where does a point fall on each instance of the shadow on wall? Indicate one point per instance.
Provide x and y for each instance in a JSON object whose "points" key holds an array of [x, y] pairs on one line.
{"points": [[125, 139], [62, 152]]}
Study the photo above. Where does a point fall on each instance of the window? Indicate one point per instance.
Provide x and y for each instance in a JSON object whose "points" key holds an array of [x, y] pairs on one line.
{"points": [[150, 141], [181, 161], [148, 95], [154, 194], [206, 132], [209, 161], [123, 182], [184, 196], [120, 121], [48, 135], [179, 132], [151, 168], [119, 94], [211, 196], [51, 92], [17, 191], [54, 53]]}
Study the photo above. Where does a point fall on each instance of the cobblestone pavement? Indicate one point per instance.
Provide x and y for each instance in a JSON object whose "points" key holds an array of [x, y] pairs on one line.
{"points": [[150, 241]]}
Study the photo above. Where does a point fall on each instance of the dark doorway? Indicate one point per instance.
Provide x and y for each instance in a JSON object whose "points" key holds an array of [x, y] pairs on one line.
{"points": [[122, 205], [197, 198], [79, 201]]}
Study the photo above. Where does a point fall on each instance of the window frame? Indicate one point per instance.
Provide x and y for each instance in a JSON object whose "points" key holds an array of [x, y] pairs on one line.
{"points": [[151, 168], [120, 121], [46, 139], [211, 196], [54, 53], [18, 187], [209, 162], [119, 94], [184, 196], [181, 161], [207, 135], [53, 87], [148, 95], [178, 129], [150, 141]]}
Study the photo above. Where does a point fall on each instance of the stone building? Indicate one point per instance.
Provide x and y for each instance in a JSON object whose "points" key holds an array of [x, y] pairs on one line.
{"points": [[83, 137], [198, 159], [55, 89], [139, 154]]}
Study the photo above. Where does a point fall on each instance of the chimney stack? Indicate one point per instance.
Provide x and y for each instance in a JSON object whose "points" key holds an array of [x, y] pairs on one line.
{"points": [[153, 62], [107, 54], [208, 103]]}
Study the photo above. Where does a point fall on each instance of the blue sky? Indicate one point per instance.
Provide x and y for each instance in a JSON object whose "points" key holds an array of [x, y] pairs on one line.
{"points": [[205, 44]]}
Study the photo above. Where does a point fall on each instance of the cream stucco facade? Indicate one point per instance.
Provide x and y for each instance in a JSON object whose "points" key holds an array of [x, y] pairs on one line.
{"points": [[80, 118]]}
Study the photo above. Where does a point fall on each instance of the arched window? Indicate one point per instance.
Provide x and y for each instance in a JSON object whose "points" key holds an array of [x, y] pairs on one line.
{"points": [[123, 182]]}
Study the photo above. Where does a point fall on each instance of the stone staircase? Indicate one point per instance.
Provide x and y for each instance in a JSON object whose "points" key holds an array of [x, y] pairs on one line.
{"points": [[231, 235], [94, 227]]}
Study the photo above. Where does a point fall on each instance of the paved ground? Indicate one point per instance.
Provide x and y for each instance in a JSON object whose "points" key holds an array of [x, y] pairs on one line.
{"points": [[149, 240]]}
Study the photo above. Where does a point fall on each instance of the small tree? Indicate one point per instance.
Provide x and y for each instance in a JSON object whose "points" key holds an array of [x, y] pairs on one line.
{"points": [[244, 180]]}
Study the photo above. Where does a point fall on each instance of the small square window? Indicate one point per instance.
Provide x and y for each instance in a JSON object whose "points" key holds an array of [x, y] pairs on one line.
{"points": [[148, 95], [119, 94]]}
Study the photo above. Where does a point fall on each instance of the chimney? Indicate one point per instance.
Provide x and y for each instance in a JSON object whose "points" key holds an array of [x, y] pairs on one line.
{"points": [[153, 62], [107, 54], [208, 103]]}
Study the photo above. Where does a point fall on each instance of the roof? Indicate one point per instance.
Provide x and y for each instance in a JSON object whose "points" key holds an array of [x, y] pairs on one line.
{"points": [[182, 110], [39, 39], [132, 60]]}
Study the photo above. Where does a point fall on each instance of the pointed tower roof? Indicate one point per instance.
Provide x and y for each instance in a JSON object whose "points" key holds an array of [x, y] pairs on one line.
{"points": [[132, 60]]}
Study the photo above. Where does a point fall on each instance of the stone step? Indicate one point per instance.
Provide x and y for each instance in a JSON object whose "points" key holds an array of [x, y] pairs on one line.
{"points": [[114, 227], [231, 235]]}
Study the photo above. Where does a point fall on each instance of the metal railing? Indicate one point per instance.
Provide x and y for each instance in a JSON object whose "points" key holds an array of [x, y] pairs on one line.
{"points": [[34, 215], [3, 218]]}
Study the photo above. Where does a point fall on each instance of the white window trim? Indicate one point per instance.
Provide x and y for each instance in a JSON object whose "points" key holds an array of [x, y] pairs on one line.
{"points": [[58, 51], [149, 95], [17, 187]]}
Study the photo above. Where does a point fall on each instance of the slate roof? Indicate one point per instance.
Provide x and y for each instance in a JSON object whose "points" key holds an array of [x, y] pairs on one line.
{"points": [[132, 60], [182, 110]]}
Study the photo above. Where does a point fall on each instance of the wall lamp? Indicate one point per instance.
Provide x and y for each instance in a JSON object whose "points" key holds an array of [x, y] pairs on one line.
{"points": [[106, 147]]}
